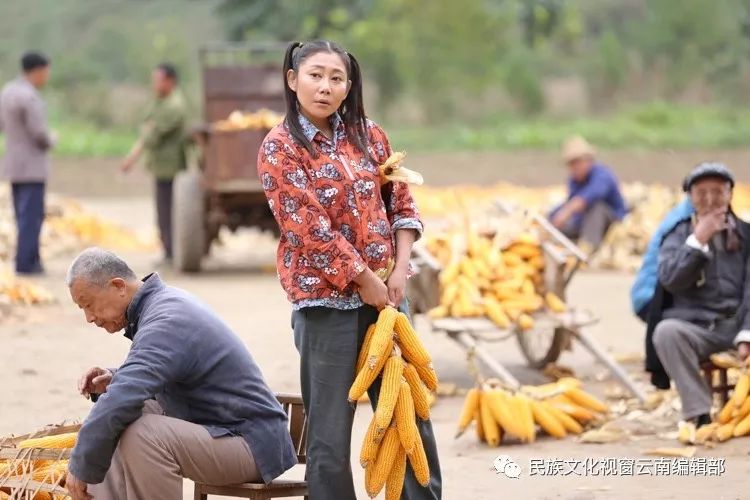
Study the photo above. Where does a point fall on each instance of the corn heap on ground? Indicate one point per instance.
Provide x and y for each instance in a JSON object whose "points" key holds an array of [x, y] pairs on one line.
{"points": [[625, 244], [14, 290], [499, 277], [392, 350], [263, 119], [557, 409], [46, 471]]}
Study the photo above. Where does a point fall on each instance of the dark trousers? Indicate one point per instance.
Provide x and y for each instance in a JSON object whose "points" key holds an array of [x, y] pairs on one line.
{"points": [[328, 341], [28, 204], [164, 214], [593, 225]]}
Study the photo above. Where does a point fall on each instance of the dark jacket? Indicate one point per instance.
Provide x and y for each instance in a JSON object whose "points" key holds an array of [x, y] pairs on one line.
{"points": [[198, 370], [671, 278]]}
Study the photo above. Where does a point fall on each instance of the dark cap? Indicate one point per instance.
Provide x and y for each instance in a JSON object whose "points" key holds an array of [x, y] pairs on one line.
{"points": [[708, 169]]}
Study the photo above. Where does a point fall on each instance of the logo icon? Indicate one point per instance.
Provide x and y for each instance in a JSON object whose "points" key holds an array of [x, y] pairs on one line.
{"points": [[503, 464]]}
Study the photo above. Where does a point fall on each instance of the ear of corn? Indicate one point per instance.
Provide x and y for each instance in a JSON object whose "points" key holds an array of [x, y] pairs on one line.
{"points": [[61, 441], [496, 313], [418, 392], [725, 415], [471, 404], [362, 358], [370, 445], [527, 417], [405, 420], [367, 376], [419, 465], [742, 428], [428, 376], [407, 339], [389, 391], [525, 322], [491, 429], [705, 432], [382, 335], [740, 390], [503, 412], [569, 423], [726, 431], [547, 420], [395, 482], [479, 426], [586, 400], [554, 303], [387, 455]]}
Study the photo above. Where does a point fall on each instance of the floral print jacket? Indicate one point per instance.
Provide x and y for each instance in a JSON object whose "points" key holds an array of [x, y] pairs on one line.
{"points": [[331, 212]]}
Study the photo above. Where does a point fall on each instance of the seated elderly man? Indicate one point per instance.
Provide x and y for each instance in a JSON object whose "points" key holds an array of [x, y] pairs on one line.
{"points": [[594, 198], [188, 401], [702, 302]]}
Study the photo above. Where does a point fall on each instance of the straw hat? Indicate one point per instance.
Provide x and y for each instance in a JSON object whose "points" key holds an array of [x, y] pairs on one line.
{"points": [[576, 147]]}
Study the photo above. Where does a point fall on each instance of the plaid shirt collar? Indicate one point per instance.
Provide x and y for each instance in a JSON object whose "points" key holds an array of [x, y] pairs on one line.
{"points": [[310, 130]]}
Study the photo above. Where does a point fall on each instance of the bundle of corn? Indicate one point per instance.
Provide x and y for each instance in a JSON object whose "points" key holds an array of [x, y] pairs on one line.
{"points": [[36, 467], [18, 291], [393, 349], [560, 408], [496, 277], [263, 119], [733, 420]]}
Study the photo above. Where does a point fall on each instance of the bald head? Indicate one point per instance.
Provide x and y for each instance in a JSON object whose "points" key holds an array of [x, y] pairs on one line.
{"points": [[102, 285]]}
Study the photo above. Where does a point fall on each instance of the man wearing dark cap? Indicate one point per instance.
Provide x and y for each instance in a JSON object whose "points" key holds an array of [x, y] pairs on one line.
{"points": [[702, 302], [26, 164]]}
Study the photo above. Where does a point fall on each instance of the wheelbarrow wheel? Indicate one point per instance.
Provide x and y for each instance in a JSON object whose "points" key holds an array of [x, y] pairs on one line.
{"points": [[188, 222], [541, 345]]}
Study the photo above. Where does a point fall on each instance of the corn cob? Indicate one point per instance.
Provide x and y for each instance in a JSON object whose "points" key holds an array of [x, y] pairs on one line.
{"points": [[503, 412], [61, 441], [527, 288], [383, 463], [449, 274], [52, 473], [428, 376], [547, 420], [526, 322], [740, 390], [389, 390], [525, 250], [406, 424], [742, 428], [383, 333], [419, 465], [438, 312], [725, 415], [705, 432], [491, 429], [570, 424], [370, 445], [471, 403], [479, 426], [418, 392], [527, 417], [495, 312], [576, 411], [743, 410], [726, 431], [554, 303], [586, 400], [367, 376], [449, 295], [395, 482], [407, 339], [362, 358]]}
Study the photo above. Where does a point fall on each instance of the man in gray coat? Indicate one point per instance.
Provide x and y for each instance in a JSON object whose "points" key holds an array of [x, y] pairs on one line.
{"points": [[27, 144], [704, 268], [189, 400]]}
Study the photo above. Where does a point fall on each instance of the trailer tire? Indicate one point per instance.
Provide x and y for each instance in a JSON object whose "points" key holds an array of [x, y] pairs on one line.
{"points": [[540, 348], [188, 221]]}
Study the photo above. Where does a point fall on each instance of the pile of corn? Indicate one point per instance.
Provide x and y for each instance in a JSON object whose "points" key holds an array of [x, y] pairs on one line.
{"points": [[263, 119], [496, 277], [625, 244], [51, 472], [14, 290], [393, 350], [559, 409], [733, 420]]}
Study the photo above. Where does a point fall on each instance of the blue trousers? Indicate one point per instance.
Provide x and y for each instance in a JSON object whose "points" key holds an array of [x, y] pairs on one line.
{"points": [[28, 204]]}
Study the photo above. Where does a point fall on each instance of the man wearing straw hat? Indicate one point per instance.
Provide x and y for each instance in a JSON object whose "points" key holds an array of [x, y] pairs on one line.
{"points": [[594, 199]]}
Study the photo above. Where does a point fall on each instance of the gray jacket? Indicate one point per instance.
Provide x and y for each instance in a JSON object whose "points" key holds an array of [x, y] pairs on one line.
{"points": [[198, 370], [705, 287], [23, 120]]}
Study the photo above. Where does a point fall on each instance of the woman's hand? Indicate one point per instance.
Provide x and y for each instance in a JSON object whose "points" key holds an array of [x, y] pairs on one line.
{"points": [[372, 290]]}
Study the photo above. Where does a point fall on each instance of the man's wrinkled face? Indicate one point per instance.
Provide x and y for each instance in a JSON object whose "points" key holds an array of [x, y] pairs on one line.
{"points": [[103, 306], [710, 194]]}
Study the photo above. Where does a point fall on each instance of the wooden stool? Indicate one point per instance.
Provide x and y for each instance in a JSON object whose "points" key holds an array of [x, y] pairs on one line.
{"points": [[723, 387], [278, 488]]}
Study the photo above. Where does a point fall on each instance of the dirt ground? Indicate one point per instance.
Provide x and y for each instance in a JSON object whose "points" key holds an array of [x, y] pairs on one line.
{"points": [[45, 349]]}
